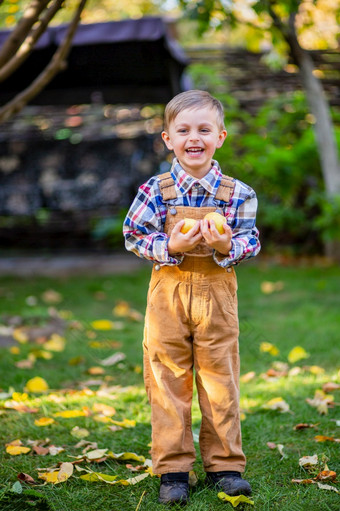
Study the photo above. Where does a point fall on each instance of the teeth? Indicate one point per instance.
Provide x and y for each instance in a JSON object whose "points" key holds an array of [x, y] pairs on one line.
{"points": [[194, 150]]}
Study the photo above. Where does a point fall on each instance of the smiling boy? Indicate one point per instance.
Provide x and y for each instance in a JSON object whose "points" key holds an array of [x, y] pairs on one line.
{"points": [[191, 322]]}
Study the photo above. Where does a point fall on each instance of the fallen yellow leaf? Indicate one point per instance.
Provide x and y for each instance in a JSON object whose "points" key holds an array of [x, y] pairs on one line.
{"points": [[58, 476], [14, 450], [70, 414], [277, 404], [126, 456], [296, 354], [19, 396], [235, 501], [322, 438], [106, 410], [102, 324], [125, 423], [44, 421], [49, 477], [97, 476], [20, 335], [46, 355], [267, 347], [96, 370], [268, 287], [55, 343], [102, 418], [15, 350], [36, 384]]}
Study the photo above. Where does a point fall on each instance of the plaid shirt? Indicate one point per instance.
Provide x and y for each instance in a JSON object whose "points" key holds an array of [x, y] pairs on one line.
{"points": [[144, 223]]}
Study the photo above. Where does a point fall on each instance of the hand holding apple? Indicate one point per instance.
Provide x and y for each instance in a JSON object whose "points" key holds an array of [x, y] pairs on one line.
{"points": [[216, 232], [180, 241]]}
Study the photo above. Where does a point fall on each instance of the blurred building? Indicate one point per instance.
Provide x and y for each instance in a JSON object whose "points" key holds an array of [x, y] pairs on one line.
{"points": [[73, 159]]}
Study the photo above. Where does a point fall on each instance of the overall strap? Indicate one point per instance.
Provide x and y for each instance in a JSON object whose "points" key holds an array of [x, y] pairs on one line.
{"points": [[168, 191], [226, 189], [167, 186]]}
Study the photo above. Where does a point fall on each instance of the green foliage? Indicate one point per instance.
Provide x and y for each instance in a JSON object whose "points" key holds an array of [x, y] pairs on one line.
{"points": [[110, 228], [329, 219]]}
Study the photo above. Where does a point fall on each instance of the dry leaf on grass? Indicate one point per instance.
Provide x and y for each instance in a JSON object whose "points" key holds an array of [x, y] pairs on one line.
{"points": [[106, 410], [245, 378], [267, 347], [330, 386], [125, 423], [97, 476], [321, 401], [279, 447], [102, 324], [235, 501], [44, 421], [268, 287], [26, 478], [15, 450], [297, 353], [277, 403], [123, 309], [322, 438], [36, 385], [309, 461], [58, 476], [303, 425], [71, 414], [113, 359], [126, 456]]}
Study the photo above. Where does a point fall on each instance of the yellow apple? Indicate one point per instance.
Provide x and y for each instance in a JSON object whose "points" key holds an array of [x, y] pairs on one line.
{"points": [[188, 224], [218, 219]]}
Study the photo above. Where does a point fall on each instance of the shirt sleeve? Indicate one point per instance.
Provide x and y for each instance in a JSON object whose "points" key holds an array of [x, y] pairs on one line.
{"points": [[245, 241], [143, 226]]}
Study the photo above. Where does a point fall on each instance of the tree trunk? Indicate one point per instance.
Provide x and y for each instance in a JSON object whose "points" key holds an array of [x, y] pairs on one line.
{"points": [[318, 105], [323, 127]]}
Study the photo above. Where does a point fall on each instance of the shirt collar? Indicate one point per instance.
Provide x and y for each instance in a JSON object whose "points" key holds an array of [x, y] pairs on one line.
{"points": [[185, 182]]}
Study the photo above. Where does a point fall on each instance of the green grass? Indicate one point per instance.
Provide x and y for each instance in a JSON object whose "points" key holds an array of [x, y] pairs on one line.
{"points": [[304, 312]]}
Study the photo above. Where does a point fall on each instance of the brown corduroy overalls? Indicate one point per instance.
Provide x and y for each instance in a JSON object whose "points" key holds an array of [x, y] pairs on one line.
{"points": [[192, 323]]}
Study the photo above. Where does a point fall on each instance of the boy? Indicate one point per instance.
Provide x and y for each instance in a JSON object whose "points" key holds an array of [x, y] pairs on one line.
{"points": [[191, 318]]}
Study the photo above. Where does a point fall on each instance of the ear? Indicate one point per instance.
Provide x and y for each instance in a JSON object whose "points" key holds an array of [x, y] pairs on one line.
{"points": [[166, 140], [221, 138]]}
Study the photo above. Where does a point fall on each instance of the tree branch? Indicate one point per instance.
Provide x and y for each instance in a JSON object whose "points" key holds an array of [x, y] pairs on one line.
{"points": [[28, 44], [56, 64], [18, 35]]}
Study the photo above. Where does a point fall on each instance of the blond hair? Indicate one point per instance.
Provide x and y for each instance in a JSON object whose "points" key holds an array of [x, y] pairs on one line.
{"points": [[191, 100]]}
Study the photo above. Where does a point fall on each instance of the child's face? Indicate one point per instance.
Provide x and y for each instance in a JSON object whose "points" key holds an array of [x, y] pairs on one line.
{"points": [[194, 136]]}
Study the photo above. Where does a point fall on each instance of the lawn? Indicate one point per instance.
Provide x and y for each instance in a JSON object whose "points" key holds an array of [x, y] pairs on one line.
{"points": [[66, 331]]}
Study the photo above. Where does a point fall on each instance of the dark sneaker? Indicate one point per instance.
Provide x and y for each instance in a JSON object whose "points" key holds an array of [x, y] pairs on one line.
{"points": [[230, 482], [174, 488]]}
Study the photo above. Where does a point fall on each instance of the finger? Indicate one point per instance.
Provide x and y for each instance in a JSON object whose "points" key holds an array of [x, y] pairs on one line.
{"points": [[178, 226], [204, 226], [196, 228], [227, 229], [197, 237]]}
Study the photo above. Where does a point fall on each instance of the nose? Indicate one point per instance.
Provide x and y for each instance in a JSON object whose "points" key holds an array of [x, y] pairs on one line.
{"points": [[194, 135]]}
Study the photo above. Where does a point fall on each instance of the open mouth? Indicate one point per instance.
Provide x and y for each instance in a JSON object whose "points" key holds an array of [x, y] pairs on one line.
{"points": [[194, 150]]}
